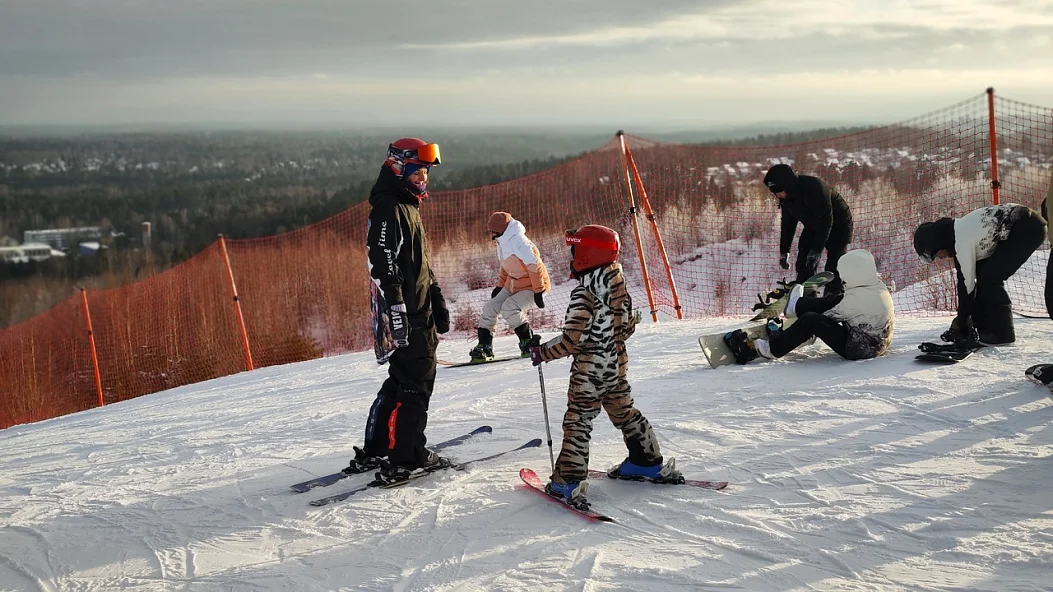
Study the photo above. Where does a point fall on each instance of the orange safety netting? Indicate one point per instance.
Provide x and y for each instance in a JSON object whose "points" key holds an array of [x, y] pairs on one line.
{"points": [[703, 209]]}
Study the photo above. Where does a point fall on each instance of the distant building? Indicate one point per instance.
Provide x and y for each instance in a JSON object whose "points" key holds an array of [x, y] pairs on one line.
{"points": [[89, 248], [28, 252], [61, 238]]}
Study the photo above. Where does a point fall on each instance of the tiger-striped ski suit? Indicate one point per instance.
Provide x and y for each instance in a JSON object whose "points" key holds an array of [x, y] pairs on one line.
{"points": [[599, 320]]}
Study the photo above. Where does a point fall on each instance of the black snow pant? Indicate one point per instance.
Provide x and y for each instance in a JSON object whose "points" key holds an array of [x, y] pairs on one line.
{"points": [[992, 309], [396, 422], [836, 246], [1049, 288], [811, 322]]}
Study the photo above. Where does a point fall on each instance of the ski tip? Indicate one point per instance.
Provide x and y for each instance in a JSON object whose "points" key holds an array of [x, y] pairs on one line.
{"points": [[483, 430], [533, 443]]}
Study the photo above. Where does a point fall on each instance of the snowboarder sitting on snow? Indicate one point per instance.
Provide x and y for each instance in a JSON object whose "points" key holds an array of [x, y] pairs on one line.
{"points": [[824, 214], [857, 325], [599, 319], [988, 245], [520, 286]]}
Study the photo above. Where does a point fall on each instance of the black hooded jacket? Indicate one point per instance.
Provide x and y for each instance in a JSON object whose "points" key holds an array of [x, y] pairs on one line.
{"points": [[810, 201], [398, 247]]}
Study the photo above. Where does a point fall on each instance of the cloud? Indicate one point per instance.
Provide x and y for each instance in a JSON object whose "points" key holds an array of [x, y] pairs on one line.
{"points": [[475, 60]]}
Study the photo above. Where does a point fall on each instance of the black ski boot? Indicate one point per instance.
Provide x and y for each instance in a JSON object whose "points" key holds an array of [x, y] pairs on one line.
{"points": [[362, 462], [484, 350], [524, 333]]}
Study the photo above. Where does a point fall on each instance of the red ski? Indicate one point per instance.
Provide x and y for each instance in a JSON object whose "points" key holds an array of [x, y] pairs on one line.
{"points": [[530, 478], [716, 485]]}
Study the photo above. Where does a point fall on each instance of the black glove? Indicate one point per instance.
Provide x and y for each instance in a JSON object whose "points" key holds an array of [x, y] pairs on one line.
{"points": [[439, 312], [784, 260], [962, 332], [539, 299], [812, 260], [496, 291], [534, 347], [399, 320]]}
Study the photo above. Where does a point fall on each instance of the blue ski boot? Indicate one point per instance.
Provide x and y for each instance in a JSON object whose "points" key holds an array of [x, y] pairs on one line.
{"points": [[570, 493], [659, 473]]}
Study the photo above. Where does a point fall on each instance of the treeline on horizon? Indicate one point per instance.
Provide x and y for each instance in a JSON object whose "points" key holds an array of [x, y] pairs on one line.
{"points": [[239, 184]]}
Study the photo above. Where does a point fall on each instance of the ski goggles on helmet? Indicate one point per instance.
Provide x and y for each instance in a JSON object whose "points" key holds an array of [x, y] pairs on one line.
{"points": [[427, 154]]}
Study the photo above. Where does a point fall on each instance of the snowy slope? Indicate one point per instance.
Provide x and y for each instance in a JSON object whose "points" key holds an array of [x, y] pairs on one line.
{"points": [[875, 475]]}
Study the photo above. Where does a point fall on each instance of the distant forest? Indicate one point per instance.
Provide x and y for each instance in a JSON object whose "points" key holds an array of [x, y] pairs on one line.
{"points": [[192, 186]]}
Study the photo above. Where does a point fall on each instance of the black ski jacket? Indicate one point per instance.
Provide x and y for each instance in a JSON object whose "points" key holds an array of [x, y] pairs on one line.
{"points": [[398, 247], [813, 203]]}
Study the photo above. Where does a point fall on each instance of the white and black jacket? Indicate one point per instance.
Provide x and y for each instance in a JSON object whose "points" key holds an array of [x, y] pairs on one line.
{"points": [[866, 308]]}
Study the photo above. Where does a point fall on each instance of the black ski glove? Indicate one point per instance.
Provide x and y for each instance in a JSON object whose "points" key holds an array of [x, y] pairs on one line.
{"points": [[495, 292], [539, 299], [784, 260], [439, 312], [399, 320], [812, 260]]}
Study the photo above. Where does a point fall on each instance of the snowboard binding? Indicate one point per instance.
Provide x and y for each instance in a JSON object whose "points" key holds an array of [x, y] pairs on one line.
{"points": [[741, 348]]}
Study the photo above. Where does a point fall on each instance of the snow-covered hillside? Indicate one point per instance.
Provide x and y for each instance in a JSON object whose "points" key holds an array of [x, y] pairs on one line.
{"points": [[875, 475]]}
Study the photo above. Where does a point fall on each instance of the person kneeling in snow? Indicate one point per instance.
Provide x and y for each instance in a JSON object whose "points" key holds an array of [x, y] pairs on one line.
{"points": [[521, 285], [857, 325], [599, 320]]}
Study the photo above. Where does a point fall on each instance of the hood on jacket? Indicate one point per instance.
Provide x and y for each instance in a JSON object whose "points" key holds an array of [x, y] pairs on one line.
{"points": [[857, 269], [514, 229], [389, 185], [780, 178]]}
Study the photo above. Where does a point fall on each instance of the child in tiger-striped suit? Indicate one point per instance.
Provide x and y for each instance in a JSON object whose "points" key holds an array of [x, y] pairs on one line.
{"points": [[599, 320]]}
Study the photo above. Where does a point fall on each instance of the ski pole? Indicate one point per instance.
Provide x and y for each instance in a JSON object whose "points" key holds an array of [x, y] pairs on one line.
{"points": [[544, 405]]}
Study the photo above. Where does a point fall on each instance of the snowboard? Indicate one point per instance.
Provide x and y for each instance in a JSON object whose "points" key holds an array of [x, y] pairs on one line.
{"points": [[716, 349], [775, 307], [1041, 374], [945, 353], [383, 342]]}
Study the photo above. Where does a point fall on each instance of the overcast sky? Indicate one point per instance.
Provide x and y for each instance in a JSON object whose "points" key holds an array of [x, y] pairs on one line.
{"points": [[533, 62]]}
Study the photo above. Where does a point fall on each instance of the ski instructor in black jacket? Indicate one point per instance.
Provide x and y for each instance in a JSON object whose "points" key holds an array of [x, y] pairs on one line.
{"points": [[398, 263], [822, 211]]}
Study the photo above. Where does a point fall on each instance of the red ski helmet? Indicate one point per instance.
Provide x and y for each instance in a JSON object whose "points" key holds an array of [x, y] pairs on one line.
{"points": [[592, 246], [411, 151]]}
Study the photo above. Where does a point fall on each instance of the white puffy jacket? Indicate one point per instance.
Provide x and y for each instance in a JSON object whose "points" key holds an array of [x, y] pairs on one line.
{"points": [[866, 307]]}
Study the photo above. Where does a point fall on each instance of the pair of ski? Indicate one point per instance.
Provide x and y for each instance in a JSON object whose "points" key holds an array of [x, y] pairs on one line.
{"points": [[534, 481], [327, 480]]}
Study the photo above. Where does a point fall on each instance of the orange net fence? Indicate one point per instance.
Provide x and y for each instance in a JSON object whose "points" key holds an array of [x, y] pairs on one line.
{"points": [[700, 237]]}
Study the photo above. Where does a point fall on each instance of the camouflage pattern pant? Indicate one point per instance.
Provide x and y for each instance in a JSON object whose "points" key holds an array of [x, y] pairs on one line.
{"points": [[585, 397]]}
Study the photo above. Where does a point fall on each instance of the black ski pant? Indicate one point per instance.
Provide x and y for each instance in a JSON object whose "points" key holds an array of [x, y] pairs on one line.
{"points": [[811, 322], [836, 246], [992, 309], [396, 422], [1049, 287]]}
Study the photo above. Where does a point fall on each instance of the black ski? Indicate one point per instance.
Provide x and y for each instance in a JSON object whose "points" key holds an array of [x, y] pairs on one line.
{"points": [[450, 364], [327, 480], [536, 442]]}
